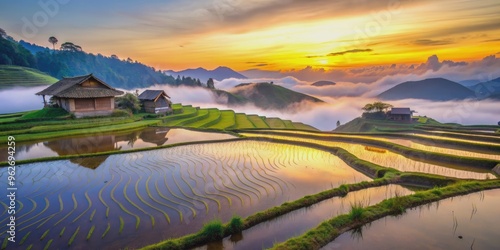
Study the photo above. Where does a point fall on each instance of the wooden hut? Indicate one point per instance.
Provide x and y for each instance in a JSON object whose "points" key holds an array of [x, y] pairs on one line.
{"points": [[400, 114], [83, 96], [156, 102]]}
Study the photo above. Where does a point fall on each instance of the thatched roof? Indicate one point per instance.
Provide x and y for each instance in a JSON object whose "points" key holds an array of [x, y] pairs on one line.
{"points": [[151, 95], [71, 88]]}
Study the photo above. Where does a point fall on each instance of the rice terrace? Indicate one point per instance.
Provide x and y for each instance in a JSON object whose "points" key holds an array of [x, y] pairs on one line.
{"points": [[334, 125]]}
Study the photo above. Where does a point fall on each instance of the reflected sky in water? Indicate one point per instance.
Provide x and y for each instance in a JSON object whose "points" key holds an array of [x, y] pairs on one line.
{"points": [[94, 143], [438, 225]]}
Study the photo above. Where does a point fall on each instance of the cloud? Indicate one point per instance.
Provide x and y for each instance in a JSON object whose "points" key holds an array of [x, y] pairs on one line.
{"points": [[349, 51], [341, 53], [484, 69], [429, 42]]}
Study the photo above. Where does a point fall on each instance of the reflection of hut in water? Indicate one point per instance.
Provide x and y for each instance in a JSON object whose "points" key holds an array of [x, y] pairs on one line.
{"points": [[82, 145], [155, 135], [90, 162]]}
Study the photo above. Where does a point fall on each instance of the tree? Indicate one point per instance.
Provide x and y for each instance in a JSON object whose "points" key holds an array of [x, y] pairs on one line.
{"points": [[54, 41], [3, 34], [377, 107], [381, 106], [338, 124], [69, 46], [210, 83], [129, 101], [368, 107]]}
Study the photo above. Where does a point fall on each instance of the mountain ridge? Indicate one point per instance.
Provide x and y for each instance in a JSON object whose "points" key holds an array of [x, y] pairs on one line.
{"points": [[220, 73], [434, 89]]}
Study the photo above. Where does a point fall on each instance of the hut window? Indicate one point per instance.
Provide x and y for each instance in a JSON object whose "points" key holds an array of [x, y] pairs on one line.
{"points": [[84, 104], [103, 103]]}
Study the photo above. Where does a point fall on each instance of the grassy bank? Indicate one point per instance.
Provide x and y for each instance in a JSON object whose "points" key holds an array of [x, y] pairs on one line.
{"points": [[331, 229]]}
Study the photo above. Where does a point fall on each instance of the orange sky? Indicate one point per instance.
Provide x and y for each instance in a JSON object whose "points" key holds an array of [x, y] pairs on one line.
{"points": [[271, 35]]}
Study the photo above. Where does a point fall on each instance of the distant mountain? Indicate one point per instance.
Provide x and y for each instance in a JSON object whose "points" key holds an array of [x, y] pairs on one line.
{"points": [[487, 89], [323, 83], [470, 82], [33, 48], [270, 96], [435, 89], [218, 74]]}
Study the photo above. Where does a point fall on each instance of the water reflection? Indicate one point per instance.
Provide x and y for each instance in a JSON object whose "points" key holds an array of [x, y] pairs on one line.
{"points": [[266, 234], [146, 137], [466, 222], [158, 194]]}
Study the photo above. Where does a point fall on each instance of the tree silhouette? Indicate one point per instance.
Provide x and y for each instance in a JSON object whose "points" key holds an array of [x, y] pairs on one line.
{"points": [[3, 33], [210, 83], [54, 41], [69, 46], [338, 123]]}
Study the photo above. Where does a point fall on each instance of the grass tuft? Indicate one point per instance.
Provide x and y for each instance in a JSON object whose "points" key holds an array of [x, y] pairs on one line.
{"points": [[235, 225], [213, 230], [357, 211]]}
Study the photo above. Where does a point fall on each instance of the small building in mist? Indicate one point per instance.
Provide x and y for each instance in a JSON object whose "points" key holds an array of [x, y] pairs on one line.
{"points": [[400, 114], [83, 96], [156, 102]]}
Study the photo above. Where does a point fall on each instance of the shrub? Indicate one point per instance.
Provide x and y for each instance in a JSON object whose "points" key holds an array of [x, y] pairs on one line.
{"points": [[213, 230], [235, 225], [121, 113], [129, 101]]}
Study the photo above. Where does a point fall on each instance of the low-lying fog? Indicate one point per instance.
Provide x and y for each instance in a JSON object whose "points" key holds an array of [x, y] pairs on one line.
{"points": [[340, 108], [342, 104]]}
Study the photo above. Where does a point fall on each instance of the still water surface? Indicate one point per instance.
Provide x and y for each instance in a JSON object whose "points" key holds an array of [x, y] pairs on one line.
{"points": [[465, 222]]}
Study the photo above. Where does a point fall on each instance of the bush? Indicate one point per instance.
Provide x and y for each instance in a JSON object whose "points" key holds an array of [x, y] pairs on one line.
{"points": [[121, 113], [129, 101], [235, 225], [214, 230]]}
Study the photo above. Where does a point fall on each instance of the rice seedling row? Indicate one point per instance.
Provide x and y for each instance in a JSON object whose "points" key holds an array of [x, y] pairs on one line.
{"points": [[175, 189], [389, 159]]}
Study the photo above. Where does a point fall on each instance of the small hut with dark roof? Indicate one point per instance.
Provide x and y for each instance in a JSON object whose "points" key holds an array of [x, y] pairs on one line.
{"points": [[156, 102], [400, 114], [83, 96]]}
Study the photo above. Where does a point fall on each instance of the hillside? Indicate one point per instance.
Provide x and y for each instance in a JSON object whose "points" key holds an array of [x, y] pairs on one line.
{"points": [[224, 97], [490, 89], [270, 96], [435, 89], [371, 125], [11, 76], [194, 117], [218, 74], [323, 83]]}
